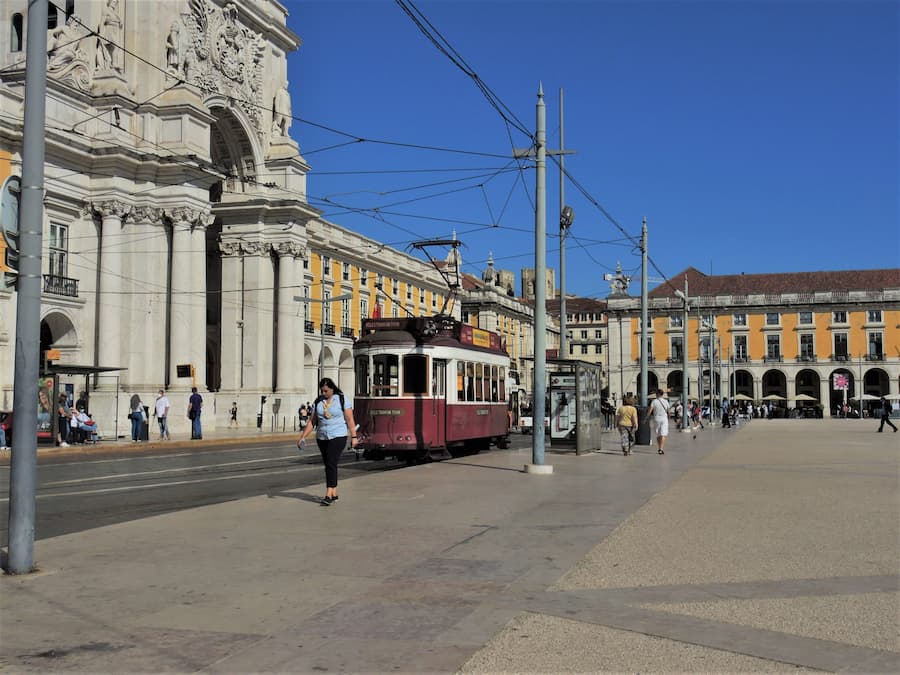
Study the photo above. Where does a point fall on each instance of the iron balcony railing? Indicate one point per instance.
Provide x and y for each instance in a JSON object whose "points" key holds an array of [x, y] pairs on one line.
{"points": [[60, 285], [328, 328], [308, 327], [347, 332]]}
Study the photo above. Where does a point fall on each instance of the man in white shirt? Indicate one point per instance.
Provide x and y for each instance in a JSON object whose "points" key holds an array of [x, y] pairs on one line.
{"points": [[659, 418], [162, 415]]}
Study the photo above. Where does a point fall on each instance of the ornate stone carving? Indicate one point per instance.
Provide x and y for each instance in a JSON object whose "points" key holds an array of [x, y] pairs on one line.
{"points": [[145, 214], [241, 248], [111, 207], [69, 56], [183, 214], [290, 248], [212, 51], [110, 38]]}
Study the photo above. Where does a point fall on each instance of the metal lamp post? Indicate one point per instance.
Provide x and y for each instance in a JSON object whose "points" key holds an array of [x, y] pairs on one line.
{"points": [[566, 217], [337, 298], [685, 425]]}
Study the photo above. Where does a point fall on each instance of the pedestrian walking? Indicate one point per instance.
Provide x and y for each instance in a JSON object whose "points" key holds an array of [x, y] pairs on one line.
{"points": [[232, 420], [696, 418], [136, 414], [332, 420], [627, 423], [195, 407], [162, 414], [63, 415], [659, 420], [886, 409]]}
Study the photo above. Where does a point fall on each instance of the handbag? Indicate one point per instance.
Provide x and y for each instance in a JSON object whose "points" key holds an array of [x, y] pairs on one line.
{"points": [[143, 415]]}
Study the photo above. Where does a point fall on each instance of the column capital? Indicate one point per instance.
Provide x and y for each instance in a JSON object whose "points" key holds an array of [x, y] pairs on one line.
{"points": [[145, 214], [242, 248], [290, 249], [184, 214], [111, 207]]}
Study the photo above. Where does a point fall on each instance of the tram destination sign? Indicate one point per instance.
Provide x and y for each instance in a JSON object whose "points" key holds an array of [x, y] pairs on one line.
{"points": [[393, 412]]}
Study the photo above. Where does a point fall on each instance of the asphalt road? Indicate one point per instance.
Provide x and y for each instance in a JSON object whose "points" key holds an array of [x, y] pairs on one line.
{"points": [[80, 493]]}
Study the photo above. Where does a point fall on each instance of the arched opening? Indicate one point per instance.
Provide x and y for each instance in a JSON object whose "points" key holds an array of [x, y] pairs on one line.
{"points": [[774, 383], [842, 387], [652, 382], [52, 18], [15, 33], [742, 383], [232, 153], [675, 385]]}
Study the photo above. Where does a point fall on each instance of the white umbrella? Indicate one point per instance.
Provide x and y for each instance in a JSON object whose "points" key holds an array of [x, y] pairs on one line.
{"points": [[893, 397], [804, 397], [774, 397], [864, 397], [742, 397]]}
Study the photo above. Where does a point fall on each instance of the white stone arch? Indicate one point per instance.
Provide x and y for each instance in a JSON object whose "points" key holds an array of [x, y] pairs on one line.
{"points": [[233, 139], [346, 380], [61, 327]]}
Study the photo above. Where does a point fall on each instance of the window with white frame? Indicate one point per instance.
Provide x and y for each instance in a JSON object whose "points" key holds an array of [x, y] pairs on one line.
{"points": [[806, 318], [873, 316], [409, 291], [584, 349], [841, 346], [739, 319], [876, 350], [59, 249], [434, 299], [584, 335], [677, 347], [326, 308], [839, 316], [345, 313], [379, 281], [306, 263], [740, 347], [773, 346], [598, 334], [346, 273], [16, 33], [363, 276], [676, 321], [421, 296], [704, 348], [326, 266], [807, 346], [773, 319], [395, 311], [363, 308], [598, 349]]}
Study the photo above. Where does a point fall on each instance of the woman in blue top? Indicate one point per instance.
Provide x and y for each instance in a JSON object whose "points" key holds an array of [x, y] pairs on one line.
{"points": [[332, 418]]}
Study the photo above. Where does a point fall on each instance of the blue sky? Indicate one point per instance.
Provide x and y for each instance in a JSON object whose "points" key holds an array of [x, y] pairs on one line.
{"points": [[753, 136]]}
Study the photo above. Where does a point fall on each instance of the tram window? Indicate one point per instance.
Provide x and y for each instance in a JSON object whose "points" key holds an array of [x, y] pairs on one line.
{"points": [[385, 379], [479, 382], [362, 375], [502, 383], [470, 381], [460, 381], [495, 393], [415, 374]]}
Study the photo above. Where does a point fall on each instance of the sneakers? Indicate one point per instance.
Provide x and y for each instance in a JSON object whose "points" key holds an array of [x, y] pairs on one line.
{"points": [[326, 501], [64, 445]]}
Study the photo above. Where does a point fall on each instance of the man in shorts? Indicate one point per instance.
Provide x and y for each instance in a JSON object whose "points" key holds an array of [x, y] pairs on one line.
{"points": [[659, 420]]}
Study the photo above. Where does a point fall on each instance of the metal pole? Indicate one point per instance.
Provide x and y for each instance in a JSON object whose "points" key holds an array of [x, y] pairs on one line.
{"points": [[621, 360], [540, 274], [23, 464], [645, 334], [563, 230], [685, 384]]}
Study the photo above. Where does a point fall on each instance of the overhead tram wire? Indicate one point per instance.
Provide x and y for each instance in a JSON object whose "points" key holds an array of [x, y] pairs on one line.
{"points": [[226, 173]]}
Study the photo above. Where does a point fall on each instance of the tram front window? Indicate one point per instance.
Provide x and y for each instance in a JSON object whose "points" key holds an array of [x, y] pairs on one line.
{"points": [[415, 374]]}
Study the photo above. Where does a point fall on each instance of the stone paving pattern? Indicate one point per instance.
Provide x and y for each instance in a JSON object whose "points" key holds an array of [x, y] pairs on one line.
{"points": [[771, 548]]}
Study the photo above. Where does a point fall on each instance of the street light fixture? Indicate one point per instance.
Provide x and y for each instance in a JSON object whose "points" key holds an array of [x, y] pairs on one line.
{"points": [[337, 298]]}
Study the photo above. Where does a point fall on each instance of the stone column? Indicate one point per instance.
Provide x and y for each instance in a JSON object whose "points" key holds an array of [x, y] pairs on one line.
{"points": [[188, 308], [110, 351], [232, 318], [197, 300], [146, 304], [825, 396], [288, 321]]}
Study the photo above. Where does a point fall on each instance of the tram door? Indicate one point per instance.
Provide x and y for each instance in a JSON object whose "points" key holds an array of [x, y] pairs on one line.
{"points": [[439, 399]]}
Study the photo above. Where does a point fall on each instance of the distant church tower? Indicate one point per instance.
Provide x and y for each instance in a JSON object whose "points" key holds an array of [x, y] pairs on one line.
{"points": [[528, 283]]}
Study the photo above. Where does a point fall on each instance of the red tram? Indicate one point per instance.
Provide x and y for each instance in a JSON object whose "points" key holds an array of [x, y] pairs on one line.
{"points": [[429, 387]]}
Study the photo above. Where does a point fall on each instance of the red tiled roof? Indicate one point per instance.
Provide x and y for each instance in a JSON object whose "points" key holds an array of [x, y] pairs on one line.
{"points": [[779, 282]]}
